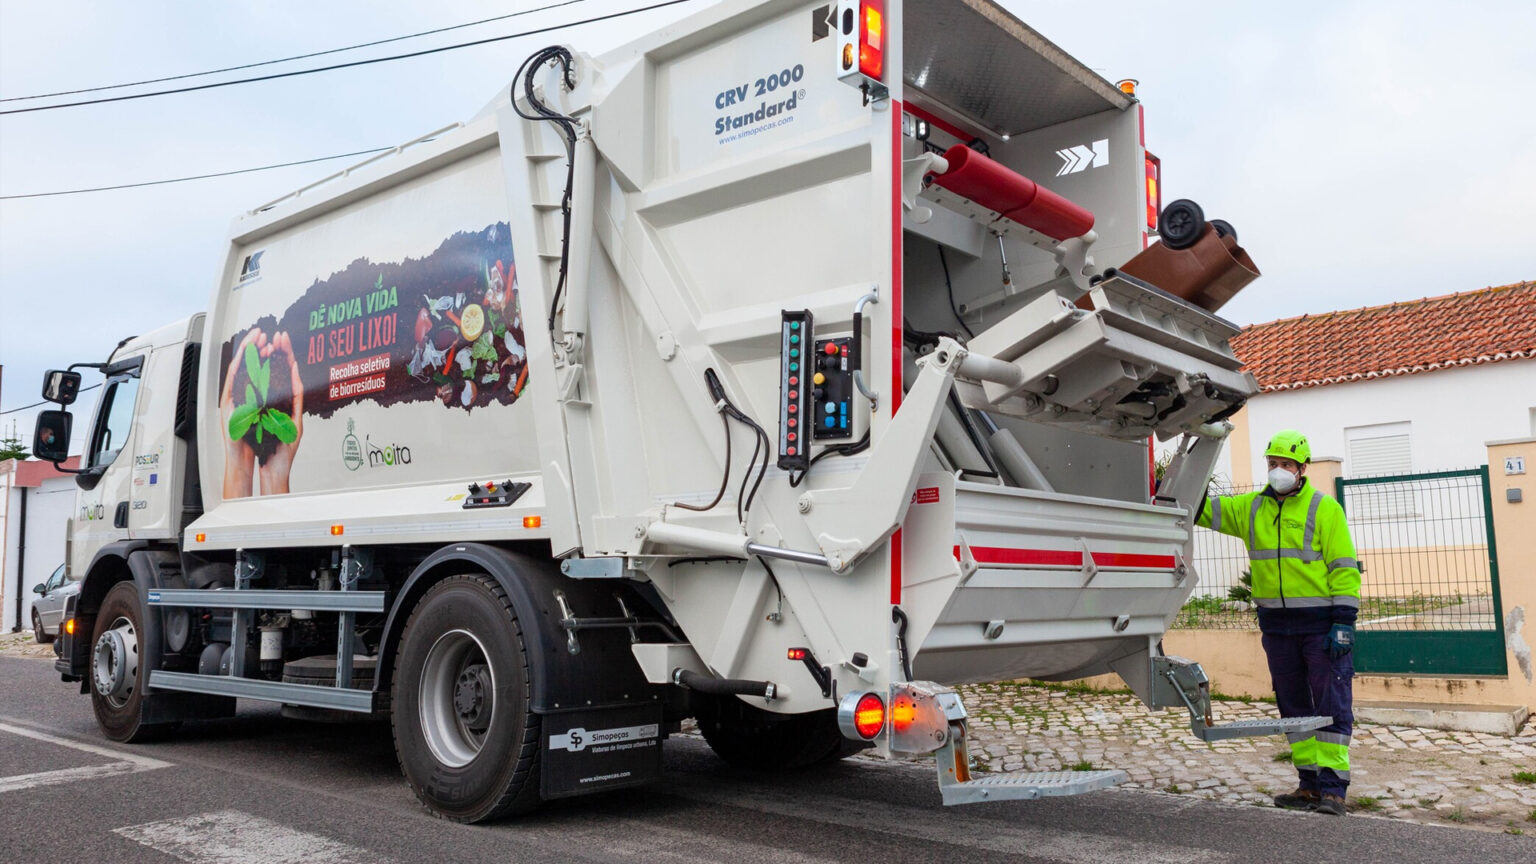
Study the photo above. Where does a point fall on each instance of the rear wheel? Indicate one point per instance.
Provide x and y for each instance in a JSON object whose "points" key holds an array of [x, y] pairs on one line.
{"points": [[465, 733], [37, 629], [749, 737], [117, 675]]}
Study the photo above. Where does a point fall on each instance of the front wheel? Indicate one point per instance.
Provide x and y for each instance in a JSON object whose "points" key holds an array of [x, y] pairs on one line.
{"points": [[37, 629], [465, 732], [117, 674]]}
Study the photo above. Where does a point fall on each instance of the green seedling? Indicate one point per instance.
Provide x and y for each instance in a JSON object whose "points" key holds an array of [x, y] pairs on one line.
{"points": [[254, 411]]}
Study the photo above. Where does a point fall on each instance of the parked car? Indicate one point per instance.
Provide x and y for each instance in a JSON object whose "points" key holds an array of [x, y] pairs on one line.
{"points": [[48, 609]]}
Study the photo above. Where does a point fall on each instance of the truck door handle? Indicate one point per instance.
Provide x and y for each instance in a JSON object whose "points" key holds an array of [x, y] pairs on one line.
{"points": [[120, 518]]}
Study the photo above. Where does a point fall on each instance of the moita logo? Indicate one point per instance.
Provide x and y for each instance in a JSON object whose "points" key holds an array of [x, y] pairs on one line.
{"points": [[1083, 156], [250, 271], [386, 456], [351, 449]]}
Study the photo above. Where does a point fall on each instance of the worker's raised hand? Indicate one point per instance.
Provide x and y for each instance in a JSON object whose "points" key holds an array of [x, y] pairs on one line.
{"points": [[275, 472], [239, 458]]}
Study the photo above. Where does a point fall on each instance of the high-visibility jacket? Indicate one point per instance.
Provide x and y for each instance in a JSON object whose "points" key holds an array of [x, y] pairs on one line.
{"points": [[1305, 574]]}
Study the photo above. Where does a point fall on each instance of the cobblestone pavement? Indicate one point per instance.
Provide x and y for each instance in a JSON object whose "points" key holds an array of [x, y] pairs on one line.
{"points": [[1401, 772]]}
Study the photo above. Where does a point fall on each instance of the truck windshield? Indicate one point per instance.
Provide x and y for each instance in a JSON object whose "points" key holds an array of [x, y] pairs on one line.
{"points": [[115, 420]]}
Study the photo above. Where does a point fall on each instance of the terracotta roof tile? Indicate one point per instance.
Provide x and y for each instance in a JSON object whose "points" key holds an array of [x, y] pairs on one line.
{"points": [[1463, 329]]}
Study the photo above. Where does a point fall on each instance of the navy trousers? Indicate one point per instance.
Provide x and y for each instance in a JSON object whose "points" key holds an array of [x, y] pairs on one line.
{"points": [[1308, 683]]}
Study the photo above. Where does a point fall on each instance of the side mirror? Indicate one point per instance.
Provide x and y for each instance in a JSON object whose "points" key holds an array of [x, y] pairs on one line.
{"points": [[39, 588], [50, 439], [61, 386]]}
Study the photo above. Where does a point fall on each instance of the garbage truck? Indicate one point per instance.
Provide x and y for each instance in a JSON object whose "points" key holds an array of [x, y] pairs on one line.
{"points": [[782, 369]]}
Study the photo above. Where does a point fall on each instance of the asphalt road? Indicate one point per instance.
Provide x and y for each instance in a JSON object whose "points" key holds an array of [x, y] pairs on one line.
{"points": [[262, 788]]}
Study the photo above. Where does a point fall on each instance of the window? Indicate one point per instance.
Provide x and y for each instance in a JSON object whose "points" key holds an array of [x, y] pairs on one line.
{"points": [[55, 580], [114, 420], [1374, 451]]}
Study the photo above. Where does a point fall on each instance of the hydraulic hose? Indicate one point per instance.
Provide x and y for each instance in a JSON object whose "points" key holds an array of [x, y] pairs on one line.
{"points": [[723, 686]]}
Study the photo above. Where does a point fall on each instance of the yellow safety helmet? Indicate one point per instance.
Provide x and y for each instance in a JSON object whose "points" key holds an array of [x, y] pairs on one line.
{"points": [[1290, 444]]}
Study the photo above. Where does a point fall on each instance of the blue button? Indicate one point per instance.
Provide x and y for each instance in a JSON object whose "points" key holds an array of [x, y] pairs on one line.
{"points": [[842, 407], [845, 421], [831, 407], [831, 421]]}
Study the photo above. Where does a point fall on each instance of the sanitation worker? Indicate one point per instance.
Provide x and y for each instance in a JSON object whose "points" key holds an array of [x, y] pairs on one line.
{"points": [[1306, 585]]}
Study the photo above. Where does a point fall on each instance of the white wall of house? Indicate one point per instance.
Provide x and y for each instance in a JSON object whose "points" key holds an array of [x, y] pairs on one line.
{"points": [[1448, 415], [49, 506]]}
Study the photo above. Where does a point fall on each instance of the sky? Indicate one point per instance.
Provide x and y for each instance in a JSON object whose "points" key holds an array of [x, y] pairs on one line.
{"points": [[1367, 151]]}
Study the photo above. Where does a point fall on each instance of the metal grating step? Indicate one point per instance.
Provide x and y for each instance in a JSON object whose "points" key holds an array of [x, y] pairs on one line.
{"points": [[1256, 728], [1028, 785]]}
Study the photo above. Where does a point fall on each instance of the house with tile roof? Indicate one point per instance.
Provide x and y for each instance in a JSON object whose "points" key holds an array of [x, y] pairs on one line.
{"points": [[1415, 386]]}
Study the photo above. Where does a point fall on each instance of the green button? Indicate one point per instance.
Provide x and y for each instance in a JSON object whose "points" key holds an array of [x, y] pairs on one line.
{"points": [[794, 340], [794, 367], [794, 352], [794, 325]]}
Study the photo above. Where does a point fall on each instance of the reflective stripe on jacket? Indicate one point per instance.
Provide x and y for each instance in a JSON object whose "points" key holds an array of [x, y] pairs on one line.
{"points": [[1299, 550]]}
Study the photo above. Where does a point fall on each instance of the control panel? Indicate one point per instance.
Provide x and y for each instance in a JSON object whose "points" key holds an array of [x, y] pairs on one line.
{"points": [[493, 494], [832, 389], [795, 368]]}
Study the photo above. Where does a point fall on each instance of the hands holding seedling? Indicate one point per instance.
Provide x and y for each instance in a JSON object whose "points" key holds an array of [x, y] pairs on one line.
{"points": [[263, 437]]}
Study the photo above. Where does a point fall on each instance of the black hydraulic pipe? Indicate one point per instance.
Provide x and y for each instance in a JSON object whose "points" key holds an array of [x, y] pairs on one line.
{"points": [[723, 686]]}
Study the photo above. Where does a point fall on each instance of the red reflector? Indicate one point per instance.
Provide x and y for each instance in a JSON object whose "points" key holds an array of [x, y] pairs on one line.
{"points": [[797, 653], [1154, 191], [872, 39], [869, 716]]}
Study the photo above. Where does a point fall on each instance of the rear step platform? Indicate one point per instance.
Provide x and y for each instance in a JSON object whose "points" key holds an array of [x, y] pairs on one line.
{"points": [[1027, 785], [1253, 728], [1177, 681]]}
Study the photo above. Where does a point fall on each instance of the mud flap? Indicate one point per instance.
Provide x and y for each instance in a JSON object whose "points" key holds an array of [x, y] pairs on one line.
{"points": [[590, 751]]}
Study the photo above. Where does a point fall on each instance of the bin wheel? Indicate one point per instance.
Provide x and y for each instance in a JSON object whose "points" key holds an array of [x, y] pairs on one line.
{"points": [[465, 732], [1181, 224], [749, 737], [1224, 229]]}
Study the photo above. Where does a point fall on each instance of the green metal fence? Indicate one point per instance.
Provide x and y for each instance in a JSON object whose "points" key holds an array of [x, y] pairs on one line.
{"points": [[1220, 598], [1430, 587]]}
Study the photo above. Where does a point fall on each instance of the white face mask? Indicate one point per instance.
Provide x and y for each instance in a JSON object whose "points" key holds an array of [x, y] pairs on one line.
{"points": [[1281, 480]]}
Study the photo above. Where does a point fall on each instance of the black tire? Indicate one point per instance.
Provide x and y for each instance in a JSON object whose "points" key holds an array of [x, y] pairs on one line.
{"points": [[749, 737], [119, 713], [466, 768], [1224, 229], [1181, 223], [37, 629]]}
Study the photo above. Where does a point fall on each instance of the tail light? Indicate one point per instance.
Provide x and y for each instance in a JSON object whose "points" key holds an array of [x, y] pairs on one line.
{"points": [[1154, 191], [872, 38], [861, 716], [862, 34]]}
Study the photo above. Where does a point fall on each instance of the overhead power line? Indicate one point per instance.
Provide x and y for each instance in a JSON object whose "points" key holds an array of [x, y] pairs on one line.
{"points": [[294, 57], [194, 176], [392, 57], [45, 401]]}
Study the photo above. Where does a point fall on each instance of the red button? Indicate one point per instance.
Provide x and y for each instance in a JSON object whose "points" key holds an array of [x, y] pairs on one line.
{"points": [[793, 422], [791, 436], [793, 408], [793, 380], [790, 451], [794, 394], [831, 348]]}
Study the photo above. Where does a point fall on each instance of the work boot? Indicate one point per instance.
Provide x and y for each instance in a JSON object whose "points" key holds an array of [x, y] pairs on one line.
{"points": [[1332, 805], [1301, 799]]}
